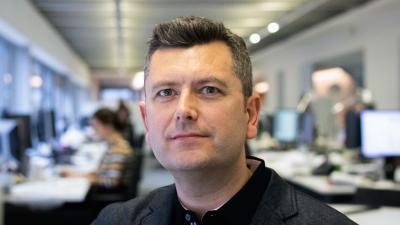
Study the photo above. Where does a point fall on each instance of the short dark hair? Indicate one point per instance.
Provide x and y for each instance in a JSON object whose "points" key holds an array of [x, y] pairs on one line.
{"points": [[186, 32], [107, 117]]}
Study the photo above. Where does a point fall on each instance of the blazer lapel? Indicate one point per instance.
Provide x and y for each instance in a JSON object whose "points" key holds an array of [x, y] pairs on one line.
{"points": [[278, 203], [160, 209]]}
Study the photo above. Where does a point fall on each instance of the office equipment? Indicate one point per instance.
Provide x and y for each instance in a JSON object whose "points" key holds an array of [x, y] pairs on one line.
{"points": [[352, 129], [380, 133], [286, 126], [8, 144], [45, 125], [24, 137], [306, 128]]}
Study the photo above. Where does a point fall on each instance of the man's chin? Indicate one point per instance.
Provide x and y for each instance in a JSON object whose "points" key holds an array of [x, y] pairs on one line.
{"points": [[189, 164]]}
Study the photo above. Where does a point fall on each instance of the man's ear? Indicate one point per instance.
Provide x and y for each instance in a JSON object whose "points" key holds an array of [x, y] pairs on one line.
{"points": [[142, 107], [253, 111]]}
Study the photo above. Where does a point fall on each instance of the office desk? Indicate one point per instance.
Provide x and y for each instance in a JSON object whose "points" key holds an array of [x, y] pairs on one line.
{"points": [[370, 216], [49, 193], [383, 215], [54, 191], [295, 166], [321, 188], [88, 157]]}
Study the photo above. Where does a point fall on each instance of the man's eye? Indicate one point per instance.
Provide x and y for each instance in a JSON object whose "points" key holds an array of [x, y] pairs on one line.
{"points": [[165, 92], [210, 90]]}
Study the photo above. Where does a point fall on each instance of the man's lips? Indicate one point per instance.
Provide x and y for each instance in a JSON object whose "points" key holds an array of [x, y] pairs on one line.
{"points": [[187, 135]]}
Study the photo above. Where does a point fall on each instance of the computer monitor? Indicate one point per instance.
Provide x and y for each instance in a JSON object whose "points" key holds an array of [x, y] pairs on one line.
{"points": [[380, 134], [23, 129], [352, 130], [45, 124], [8, 140], [306, 128], [286, 126]]}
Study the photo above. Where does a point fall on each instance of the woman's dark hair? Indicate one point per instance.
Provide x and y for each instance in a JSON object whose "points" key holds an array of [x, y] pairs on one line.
{"points": [[107, 117]]}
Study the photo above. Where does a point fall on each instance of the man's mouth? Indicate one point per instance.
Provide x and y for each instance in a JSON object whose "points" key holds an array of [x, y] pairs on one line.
{"points": [[182, 136]]}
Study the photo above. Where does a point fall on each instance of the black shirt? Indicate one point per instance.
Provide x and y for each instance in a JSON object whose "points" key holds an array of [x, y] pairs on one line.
{"points": [[239, 210]]}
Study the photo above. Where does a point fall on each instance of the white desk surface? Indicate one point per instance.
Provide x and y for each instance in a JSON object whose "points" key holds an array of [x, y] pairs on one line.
{"points": [[321, 185], [383, 215], [49, 192], [296, 166], [363, 216], [88, 157], [55, 191]]}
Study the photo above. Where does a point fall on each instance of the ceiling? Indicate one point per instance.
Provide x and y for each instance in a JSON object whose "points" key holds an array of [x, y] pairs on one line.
{"points": [[111, 35]]}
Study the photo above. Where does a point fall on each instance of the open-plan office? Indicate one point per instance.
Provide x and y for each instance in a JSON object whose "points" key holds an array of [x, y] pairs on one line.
{"points": [[328, 74]]}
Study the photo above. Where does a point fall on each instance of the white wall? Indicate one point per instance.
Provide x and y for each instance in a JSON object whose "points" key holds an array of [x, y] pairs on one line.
{"points": [[20, 22], [374, 29]]}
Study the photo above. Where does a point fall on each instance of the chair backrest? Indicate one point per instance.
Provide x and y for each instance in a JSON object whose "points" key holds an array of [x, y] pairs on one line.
{"points": [[132, 175]]}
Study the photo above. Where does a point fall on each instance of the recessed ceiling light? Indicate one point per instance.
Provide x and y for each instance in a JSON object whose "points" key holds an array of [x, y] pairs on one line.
{"points": [[254, 38], [273, 27]]}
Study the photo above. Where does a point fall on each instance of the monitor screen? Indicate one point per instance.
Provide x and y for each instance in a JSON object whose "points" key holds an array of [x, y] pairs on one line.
{"points": [[24, 129], [352, 129], [8, 142], [380, 133], [306, 128], [46, 125], [286, 126]]}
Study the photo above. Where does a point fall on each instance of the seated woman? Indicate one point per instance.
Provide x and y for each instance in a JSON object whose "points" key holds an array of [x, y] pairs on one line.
{"points": [[113, 164]]}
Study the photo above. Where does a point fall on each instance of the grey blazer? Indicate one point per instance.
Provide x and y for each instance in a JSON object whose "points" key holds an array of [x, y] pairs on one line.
{"points": [[281, 204]]}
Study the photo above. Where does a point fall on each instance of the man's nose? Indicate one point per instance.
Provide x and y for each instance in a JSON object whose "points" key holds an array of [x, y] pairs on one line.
{"points": [[187, 107]]}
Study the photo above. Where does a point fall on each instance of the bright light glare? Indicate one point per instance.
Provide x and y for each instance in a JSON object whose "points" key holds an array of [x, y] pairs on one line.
{"points": [[138, 80], [273, 27], [261, 87], [254, 38], [36, 81]]}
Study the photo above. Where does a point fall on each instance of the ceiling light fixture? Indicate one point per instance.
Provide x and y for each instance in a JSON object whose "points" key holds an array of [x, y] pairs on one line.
{"points": [[254, 38], [273, 27]]}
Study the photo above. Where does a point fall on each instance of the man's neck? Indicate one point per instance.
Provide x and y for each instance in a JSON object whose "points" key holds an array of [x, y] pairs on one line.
{"points": [[208, 190]]}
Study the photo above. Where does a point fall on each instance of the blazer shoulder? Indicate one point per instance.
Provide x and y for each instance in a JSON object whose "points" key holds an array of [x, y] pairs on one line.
{"points": [[313, 211], [283, 203], [122, 213]]}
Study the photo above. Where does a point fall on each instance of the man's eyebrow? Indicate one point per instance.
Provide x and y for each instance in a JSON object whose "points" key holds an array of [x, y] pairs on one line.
{"points": [[163, 83], [211, 79]]}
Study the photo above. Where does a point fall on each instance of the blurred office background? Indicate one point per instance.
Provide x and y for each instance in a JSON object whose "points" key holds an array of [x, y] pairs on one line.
{"points": [[328, 72]]}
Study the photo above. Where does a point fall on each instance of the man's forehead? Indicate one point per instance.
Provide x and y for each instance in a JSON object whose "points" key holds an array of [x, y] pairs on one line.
{"points": [[205, 58]]}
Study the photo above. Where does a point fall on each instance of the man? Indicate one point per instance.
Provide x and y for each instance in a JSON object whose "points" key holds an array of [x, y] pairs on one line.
{"points": [[198, 111]]}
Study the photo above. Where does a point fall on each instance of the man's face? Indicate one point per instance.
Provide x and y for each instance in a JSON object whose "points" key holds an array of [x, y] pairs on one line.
{"points": [[194, 112]]}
